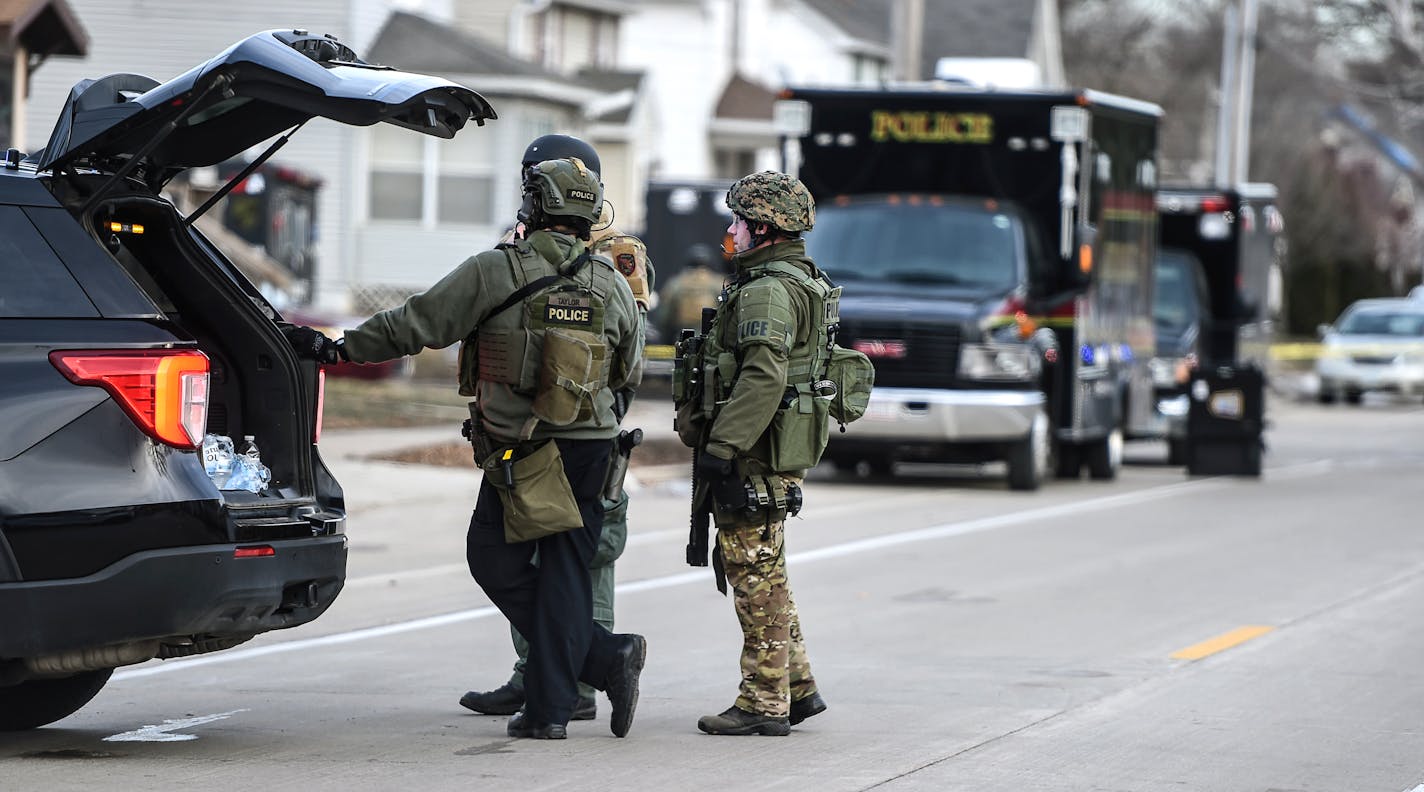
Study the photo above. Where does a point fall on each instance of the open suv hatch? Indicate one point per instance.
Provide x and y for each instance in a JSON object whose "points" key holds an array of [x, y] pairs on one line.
{"points": [[125, 337]]}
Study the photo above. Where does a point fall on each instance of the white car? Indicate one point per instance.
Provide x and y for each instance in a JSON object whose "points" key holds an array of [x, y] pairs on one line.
{"points": [[1374, 345]]}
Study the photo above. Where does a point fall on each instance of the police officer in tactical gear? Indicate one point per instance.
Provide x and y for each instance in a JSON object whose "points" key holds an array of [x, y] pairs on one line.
{"points": [[549, 333], [764, 351], [629, 256]]}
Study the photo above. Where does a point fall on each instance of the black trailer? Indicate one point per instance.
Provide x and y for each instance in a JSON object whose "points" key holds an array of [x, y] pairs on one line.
{"points": [[995, 249], [1235, 238]]}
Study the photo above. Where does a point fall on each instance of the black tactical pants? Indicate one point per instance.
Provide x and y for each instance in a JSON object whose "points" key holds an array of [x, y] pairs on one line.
{"points": [[551, 604]]}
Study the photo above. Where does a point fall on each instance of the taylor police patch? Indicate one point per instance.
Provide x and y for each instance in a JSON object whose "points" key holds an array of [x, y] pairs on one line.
{"points": [[568, 311]]}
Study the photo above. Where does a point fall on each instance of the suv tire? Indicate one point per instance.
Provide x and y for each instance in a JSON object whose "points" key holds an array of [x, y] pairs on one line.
{"points": [[38, 702]]}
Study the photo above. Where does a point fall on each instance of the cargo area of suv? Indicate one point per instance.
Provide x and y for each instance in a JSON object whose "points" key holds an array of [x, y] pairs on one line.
{"points": [[125, 339]]}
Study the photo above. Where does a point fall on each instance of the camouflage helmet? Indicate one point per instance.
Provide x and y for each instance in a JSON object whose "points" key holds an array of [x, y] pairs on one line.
{"points": [[773, 198], [563, 188]]}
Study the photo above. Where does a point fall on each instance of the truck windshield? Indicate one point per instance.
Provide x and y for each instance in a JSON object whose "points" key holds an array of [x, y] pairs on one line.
{"points": [[918, 240], [1176, 303]]}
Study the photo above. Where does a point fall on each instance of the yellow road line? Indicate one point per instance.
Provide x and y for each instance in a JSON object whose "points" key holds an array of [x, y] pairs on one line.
{"points": [[1221, 643]]}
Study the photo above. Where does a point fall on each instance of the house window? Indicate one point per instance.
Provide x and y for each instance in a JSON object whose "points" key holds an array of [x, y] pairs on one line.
{"points": [[465, 180], [867, 70], [397, 174], [431, 181], [733, 163], [568, 38]]}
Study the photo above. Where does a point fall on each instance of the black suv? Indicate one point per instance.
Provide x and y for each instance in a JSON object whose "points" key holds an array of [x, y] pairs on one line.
{"points": [[125, 337]]}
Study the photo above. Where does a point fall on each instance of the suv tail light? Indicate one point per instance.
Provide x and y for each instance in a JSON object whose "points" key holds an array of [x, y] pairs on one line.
{"points": [[165, 391]]}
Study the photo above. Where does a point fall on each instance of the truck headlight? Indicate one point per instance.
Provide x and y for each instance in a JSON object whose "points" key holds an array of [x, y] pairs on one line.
{"points": [[1013, 363]]}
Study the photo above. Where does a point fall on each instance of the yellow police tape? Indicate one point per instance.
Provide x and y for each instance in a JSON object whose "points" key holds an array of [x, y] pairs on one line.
{"points": [[1294, 350]]}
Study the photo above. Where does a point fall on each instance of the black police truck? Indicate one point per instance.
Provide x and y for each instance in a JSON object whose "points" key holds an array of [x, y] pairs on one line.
{"points": [[125, 338], [996, 251], [1219, 295]]}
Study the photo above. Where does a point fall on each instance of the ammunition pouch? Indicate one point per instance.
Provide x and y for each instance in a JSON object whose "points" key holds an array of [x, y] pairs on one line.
{"points": [[572, 370], [534, 491], [801, 427]]}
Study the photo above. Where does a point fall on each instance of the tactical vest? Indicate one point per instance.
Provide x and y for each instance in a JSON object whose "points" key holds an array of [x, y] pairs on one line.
{"points": [[556, 354], [800, 429]]}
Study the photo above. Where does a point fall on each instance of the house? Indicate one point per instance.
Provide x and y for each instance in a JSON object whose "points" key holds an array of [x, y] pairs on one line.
{"points": [[163, 38], [30, 32]]}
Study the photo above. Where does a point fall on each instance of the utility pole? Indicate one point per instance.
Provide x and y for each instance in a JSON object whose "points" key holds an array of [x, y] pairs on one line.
{"points": [[1226, 100], [1238, 78], [907, 38], [1242, 169]]}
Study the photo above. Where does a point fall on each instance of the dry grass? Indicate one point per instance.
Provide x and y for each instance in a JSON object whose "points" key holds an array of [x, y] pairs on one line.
{"points": [[364, 404]]}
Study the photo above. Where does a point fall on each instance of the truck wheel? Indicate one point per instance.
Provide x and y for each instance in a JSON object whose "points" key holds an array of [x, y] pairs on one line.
{"points": [[1176, 451], [1028, 458], [1104, 456], [40, 701], [1070, 461]]}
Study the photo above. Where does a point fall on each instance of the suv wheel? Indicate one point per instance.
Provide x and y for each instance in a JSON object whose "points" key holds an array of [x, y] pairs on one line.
{"points": [[41, 701]]}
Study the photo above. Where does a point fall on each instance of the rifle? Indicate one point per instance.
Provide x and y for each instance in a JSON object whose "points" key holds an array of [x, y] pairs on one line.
{"points": [[689, 347]]}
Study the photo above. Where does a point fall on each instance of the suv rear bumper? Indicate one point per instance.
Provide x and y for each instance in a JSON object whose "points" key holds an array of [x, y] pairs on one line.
{"points": [[182, 591], [954, 416]]}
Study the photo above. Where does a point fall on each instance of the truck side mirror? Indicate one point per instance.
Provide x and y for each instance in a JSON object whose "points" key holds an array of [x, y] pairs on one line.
{"points": [[1323, 330]]}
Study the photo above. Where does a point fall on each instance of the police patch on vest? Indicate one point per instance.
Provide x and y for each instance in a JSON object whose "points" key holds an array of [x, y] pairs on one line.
{"points": [[569, 311], [626, 264]]}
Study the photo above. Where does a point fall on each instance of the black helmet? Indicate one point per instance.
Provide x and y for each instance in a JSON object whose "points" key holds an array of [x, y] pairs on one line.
{"points": [[699, 254], [552, 147]]}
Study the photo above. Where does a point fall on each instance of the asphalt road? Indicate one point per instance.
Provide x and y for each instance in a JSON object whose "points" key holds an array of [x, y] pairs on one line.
{"points": [[1152, 633]]}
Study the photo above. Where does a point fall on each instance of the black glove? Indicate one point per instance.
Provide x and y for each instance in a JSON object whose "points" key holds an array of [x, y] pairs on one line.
{"points": [[312, 345], [722, 480]]}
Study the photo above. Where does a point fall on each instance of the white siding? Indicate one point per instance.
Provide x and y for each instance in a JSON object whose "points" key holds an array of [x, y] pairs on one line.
{"points": [[488, 19], [686, 50]]}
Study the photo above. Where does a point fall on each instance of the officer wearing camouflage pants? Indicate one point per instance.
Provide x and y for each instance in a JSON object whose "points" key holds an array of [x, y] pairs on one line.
{"points": [[764, 344]]}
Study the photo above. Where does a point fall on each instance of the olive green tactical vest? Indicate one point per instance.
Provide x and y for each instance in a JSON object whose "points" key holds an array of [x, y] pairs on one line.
{"points": [[799, 430], [514, 353]]}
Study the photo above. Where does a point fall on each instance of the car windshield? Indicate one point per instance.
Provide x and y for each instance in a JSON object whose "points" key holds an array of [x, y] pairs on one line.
{"points": [[919, 240], [1176, 305], [1383, 322]]}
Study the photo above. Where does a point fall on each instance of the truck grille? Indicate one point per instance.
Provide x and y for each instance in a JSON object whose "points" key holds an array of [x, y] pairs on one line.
{"points": [[931, 352]]}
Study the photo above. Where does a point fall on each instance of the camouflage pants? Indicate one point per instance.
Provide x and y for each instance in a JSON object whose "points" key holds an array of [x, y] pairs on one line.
{"points": [[775, 670]]}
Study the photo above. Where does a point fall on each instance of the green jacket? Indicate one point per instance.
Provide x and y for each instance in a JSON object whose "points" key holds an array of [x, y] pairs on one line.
{"points": [[452, 311], [761, 322]]}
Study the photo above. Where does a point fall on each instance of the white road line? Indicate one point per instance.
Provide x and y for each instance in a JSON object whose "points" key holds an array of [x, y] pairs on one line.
{"points": [[163, 732], [943, 531]]}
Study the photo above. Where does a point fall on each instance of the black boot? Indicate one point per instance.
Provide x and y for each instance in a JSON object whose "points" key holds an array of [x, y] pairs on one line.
{"points": [[622, 684], [504, 700], [738, 721], [801, 709], [521, 728], [585, 709]]}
